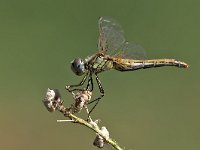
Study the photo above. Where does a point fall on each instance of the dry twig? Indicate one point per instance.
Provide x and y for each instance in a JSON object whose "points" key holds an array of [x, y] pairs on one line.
{"points": [[53, 102]]}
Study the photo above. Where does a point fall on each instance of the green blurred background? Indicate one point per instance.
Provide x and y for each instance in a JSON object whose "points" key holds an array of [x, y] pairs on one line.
{"points": [[153, 109]]}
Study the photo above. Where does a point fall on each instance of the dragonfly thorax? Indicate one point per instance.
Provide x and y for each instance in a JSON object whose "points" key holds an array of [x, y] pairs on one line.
{"points": [[98, 63]]}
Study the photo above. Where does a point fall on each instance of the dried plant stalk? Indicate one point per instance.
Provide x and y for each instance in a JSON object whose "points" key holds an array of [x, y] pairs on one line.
{"points": [[53, 102]]}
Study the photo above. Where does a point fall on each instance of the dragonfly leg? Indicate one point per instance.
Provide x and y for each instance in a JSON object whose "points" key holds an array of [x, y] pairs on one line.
{"points": [[101, 95], [90, 81], [69, 88]]}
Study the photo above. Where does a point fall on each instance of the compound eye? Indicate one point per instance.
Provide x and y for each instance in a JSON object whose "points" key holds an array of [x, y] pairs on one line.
{"points": [[78, 66]]}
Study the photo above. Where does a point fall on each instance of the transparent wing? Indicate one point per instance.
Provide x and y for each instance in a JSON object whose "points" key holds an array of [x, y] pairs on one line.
{"points": [[111, 34], [113, 42], [132, 50]]}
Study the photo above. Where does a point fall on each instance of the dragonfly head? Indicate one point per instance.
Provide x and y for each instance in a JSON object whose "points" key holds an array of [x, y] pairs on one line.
{"points": [[78, 66]]}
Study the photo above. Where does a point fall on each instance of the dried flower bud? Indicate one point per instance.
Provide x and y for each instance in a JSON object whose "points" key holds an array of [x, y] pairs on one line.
{"points": [[52, 99], [105, 132], [99, 140], [81, 99]]}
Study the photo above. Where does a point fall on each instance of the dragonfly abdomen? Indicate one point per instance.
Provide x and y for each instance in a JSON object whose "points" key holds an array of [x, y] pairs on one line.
{"points": [[130, 65]]}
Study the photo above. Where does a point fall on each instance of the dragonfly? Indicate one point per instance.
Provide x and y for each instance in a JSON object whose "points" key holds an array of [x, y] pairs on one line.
{"points": [[114, 52]]}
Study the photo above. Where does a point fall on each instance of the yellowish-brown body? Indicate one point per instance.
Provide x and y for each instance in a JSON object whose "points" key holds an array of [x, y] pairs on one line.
{"points": [[100, 62], [129, 64]]}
